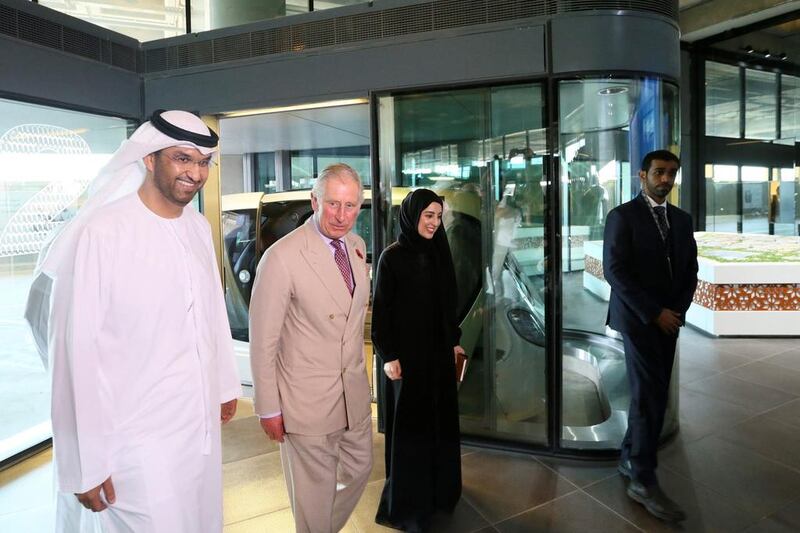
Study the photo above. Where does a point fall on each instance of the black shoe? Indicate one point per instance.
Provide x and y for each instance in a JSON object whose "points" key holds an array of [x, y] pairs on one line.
{"points": [[656, 502], [624, 468]]}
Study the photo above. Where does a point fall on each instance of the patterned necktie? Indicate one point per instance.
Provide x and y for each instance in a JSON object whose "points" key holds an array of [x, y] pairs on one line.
{"points": [[661, 218], [344, 265]]}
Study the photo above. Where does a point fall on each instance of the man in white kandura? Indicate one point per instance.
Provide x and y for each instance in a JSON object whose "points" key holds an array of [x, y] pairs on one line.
{"points": [[128, 304]]}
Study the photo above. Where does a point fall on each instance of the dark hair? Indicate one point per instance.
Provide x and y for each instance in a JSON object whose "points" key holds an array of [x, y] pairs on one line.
{"points": [[663, 155]]}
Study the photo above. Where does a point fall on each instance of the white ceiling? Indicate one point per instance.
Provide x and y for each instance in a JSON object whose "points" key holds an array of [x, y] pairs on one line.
{"points": [[296, 130]]}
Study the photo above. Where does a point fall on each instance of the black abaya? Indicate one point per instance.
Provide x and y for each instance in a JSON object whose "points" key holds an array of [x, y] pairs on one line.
{"points": [[413, 320]]}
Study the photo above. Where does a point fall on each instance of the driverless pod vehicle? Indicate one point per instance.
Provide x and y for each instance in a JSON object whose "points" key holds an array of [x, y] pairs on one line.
{"points": [[511, 298]]}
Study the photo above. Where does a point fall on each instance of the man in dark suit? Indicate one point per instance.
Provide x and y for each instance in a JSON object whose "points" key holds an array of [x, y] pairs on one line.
{"points": [[650, 261]]}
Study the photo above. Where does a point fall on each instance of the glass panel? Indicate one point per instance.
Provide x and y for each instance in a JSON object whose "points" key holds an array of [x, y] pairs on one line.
{"points": [[328, 4], [277, 152], [607, 126], [214, 14], [722, 198], [723, 96], [48, 157], [145, 20], [790, 106], [755, 199], [761, 104], [266, 179], [484, 150], [782, 201], [303, 174]]}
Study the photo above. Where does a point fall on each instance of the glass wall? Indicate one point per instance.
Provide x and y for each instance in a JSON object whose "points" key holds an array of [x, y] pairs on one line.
{"points": [[606, 127], [790, 106], [722, 198], [751, 184], [147, 20], [485, 151], [287, 150], [723, 95], [761, 104], [47, 157], [144, 20]]}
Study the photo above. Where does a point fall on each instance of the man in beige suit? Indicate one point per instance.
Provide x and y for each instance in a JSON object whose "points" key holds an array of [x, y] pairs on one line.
{"points": [[306, 351]]}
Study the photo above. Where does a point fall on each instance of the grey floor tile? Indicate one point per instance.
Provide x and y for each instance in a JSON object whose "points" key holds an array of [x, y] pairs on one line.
{"points": [[364, 514], [573, 512], [705, 509], [378, 458], [755, 348], [253, 487], [702, 415], [785, 520], [740, 392], [499, 485], [465, 519], [711, 357], [769, 375], [243, 438], [691, 371], [789, 413], [22, 485], [36, 519], [772, 439], [581, 472], [788, 359], [748, 480]]}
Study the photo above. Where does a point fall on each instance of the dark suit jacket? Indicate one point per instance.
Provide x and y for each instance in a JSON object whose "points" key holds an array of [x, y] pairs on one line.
{"points": [[635, 265]]}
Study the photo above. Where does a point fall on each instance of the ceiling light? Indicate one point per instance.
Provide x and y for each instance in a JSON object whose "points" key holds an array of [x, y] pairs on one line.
{"points": [[608, 91], [300, 107]]}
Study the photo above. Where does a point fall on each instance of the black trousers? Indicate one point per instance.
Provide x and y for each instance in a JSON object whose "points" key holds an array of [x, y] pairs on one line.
{"points": [[649, 356]]}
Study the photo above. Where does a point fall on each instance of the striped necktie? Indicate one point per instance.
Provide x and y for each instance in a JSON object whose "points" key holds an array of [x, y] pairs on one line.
{"points": [[344, 265]]}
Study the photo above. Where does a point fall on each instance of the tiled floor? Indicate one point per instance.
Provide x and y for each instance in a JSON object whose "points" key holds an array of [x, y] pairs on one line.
{"points": [[734, 466]]}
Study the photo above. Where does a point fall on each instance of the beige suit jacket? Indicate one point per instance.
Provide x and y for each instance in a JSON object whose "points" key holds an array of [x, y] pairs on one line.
{"points": [[307, 334]]}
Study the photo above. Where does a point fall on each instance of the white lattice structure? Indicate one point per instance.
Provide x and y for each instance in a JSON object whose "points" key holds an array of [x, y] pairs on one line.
{"points": [[27, 230]]}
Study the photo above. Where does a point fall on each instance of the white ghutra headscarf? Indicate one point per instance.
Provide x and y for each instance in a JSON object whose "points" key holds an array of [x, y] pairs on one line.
{"points": [[123, 174]]}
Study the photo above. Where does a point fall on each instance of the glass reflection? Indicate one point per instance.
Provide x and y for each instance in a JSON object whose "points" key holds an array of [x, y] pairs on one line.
{"points": [[484, 151], [761, 104], [606, 127], [723, 94], [48, 157]]}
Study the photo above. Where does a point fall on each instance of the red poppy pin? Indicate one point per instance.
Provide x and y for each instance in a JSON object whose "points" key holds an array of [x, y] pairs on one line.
{"points": [[359, 254]]}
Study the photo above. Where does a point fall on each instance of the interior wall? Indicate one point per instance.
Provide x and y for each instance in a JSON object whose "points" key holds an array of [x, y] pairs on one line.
{"points": [[34, 73]]}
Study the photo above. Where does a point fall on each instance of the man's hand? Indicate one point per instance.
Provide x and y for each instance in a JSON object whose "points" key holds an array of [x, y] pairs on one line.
{"points": [[92, 500], [392, 370], [227, 410], [668, 321], [273, 427]]}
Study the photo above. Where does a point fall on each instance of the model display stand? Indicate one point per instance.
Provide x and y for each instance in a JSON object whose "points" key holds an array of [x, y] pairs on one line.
{"points": [[748, 285]]}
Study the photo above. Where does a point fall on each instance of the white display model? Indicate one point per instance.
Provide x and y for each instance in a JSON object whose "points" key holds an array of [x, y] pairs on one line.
{"points": [[749, 285]]}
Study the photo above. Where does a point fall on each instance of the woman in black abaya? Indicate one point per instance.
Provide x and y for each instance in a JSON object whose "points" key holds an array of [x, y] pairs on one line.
{"points": [[416, 334]]}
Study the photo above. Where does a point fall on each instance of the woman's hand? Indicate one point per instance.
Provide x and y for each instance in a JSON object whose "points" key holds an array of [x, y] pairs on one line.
{"points": [[392, 370], [458, 350]]}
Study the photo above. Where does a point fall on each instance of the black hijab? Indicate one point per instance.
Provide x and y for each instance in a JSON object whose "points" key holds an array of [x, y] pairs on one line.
{"points": [[438, 251]]}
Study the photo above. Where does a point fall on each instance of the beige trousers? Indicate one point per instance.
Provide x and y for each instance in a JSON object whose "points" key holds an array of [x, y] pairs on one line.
{"points": [[326, 475]]}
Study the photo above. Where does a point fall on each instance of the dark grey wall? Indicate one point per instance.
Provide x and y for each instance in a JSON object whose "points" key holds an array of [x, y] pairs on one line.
{"points": [[606, 42], [350, 71], [33, 72], [600, 41]]}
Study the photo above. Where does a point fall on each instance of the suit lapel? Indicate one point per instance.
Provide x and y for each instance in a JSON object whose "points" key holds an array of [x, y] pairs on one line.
{"points": [[647, 220], [322, 263]]}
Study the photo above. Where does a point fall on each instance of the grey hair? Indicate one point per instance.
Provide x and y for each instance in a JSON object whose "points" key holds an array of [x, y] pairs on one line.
{"points": [[340, 171]]}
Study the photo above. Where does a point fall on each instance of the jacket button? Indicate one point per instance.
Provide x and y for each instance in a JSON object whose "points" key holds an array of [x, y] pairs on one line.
{"points": [[331, 316]]}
